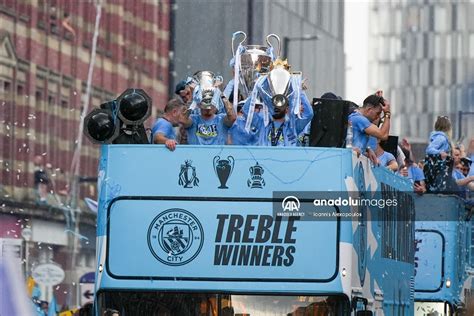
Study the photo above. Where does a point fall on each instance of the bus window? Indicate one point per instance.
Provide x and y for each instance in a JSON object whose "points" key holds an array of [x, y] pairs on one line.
{"points": [[205, 304]]}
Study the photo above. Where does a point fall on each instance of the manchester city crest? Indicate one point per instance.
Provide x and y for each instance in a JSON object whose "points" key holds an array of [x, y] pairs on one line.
{"points": [[175, 237]]}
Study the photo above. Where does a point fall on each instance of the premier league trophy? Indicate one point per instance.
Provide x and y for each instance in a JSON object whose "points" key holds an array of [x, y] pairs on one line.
{"points": [[251, 61], [280, 91]]}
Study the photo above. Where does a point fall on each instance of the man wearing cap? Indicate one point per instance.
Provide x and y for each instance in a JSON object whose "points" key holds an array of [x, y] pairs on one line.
{"points": [[184, 90], [361, 121], [209, 128]]}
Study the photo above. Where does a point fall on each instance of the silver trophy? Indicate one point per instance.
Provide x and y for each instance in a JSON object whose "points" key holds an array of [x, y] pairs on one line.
{"points": [[255, 60], [207, 81]]}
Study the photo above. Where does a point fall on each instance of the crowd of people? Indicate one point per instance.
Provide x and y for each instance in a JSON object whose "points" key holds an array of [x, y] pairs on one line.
{"points": [[446, 167]]}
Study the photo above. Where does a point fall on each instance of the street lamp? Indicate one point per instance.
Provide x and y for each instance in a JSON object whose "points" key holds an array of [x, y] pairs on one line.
{"points": [[287, 40]]}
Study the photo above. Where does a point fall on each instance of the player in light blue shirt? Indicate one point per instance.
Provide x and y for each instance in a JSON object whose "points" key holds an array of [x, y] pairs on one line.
{"points": [[238, 134], [284, 127], [163, 131], [362, 118], [209, 128]]}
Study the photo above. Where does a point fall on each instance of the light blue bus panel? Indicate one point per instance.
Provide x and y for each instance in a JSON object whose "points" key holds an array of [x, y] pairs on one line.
{"points": [[442, 238], [211, 230], [240, 240]]}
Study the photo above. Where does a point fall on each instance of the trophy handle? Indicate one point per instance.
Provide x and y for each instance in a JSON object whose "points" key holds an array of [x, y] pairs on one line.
{"points": [[218, 81], [269, 36], [214, 161], [234, 36], [232, 161]]}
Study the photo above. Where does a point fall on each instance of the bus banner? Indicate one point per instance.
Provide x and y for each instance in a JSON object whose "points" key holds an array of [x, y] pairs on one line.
{"points": [[192, 239]]}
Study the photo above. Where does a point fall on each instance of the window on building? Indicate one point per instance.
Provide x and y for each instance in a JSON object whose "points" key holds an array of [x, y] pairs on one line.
{"points": [[454, 71], [20, 90], [454, 16], [431, 72], [53, 16], [5, 87], [38, 96], [51, 100], [425, 45], [440, 19], [7, 4], [22, 8], [49, 16], [431, 18]]}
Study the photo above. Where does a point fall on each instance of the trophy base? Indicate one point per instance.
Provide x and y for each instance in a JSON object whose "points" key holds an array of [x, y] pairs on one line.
{"points": [[223, 187]]}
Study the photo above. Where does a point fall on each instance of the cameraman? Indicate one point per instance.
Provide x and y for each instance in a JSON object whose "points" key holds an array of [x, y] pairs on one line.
{"points": [[362, 127]]}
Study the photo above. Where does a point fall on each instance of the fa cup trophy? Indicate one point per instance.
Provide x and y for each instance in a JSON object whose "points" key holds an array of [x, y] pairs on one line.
{"points": [[207, 81]]}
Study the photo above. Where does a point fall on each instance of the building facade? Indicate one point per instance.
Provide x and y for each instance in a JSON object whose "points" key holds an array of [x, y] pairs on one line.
{"points": [[45, 49], [421, 53], [203, 33]]}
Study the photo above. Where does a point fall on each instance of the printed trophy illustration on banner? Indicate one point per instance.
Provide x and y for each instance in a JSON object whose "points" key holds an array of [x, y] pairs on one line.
{"points": [[223, 169], [187, 175], [256, 180]]}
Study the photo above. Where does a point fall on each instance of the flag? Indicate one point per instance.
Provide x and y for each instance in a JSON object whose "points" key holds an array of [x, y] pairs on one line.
{"points": [[52, 309], [13, 296], [36, 292], [91, 204]]}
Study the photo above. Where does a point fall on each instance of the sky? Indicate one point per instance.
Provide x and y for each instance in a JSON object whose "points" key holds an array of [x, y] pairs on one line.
{"points": [[355, 48]]}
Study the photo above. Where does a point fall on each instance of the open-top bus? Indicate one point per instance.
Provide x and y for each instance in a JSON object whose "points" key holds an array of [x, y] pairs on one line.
{"points": [[219, 230], [443, 285]]}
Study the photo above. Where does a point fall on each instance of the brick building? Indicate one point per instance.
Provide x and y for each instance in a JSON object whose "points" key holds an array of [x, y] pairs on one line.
{"points": [[45, 48]]}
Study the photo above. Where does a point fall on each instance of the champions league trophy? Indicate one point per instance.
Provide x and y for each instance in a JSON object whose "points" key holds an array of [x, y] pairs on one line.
{"points": [[223, 169], [251, 62]]}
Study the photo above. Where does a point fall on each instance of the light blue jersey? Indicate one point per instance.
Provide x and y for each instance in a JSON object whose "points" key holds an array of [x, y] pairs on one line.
{"points": [[386, 158], [164, 127], [207, 132], [278, 134], [239, 135], [359, 125]]}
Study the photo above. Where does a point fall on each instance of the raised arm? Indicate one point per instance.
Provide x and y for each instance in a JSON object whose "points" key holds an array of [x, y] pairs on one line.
{"points": [[185, 118], [382, 132], [231, 116], [306, 114]]}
